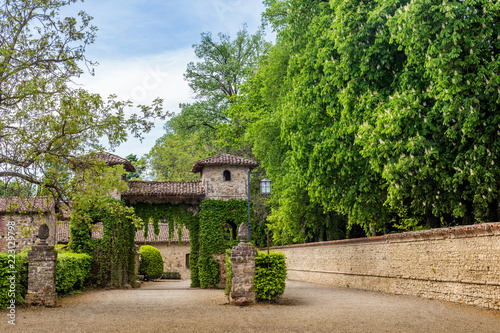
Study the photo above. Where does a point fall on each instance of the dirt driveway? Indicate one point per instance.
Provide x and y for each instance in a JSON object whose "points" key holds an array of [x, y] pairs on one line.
{"points": [[305, 307]]}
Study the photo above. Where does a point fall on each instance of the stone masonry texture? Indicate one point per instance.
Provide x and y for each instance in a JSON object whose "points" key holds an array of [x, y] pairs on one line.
{"points": [[218, 189], [41, 276], [26, 227], [460, 264], [243, 266]]}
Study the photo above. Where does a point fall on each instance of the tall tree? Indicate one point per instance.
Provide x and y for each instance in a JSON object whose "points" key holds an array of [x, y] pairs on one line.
{"points": [[225, 65], [140, 165], [173, 156], [392, 115], [45, 123]]}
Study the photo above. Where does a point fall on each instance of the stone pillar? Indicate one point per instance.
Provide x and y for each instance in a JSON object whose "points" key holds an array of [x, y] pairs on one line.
{"points": [[41, 272], [243, 266]]}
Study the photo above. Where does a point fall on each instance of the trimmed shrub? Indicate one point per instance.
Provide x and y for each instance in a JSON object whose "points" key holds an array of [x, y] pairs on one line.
{"points": [[13, 271], [270, 275], [72, 272], [151, 264]]}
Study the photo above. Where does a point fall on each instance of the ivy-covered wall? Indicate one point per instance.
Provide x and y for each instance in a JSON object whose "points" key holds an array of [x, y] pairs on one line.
{"points": [[177, 216], [113, 256], [217, 219]]}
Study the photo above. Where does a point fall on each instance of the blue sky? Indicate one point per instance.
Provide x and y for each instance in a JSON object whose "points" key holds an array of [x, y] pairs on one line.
{"points": [[143, 48]]}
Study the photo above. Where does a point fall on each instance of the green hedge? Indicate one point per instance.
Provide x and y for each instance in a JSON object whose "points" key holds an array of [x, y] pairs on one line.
{"points": [[270, 275], [151, 264], [20, 278], [72, 272]]}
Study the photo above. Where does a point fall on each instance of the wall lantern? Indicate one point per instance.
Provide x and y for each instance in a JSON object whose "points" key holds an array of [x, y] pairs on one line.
{"points": [[265, 186], [163, 220]]}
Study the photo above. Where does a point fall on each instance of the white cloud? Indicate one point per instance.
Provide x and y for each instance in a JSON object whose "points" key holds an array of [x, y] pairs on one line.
{"points": [[141, 80]]}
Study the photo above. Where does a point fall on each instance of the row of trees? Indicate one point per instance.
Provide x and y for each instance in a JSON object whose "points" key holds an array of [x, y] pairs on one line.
{"points": [[379, 115], [367, 115]]}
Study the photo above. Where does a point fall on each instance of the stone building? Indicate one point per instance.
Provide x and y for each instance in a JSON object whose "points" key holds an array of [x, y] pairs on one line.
{"points": [[222, 177], [24, 216]]}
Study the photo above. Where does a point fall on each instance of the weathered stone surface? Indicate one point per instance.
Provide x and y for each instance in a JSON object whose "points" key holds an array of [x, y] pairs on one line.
{"points": [[243, 233], [218, 189], [243, 262], [460, 264], [41, 276], [26, 229]]}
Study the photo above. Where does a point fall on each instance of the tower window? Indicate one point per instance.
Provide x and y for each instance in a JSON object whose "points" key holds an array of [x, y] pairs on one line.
{"points": [[227, 175]]}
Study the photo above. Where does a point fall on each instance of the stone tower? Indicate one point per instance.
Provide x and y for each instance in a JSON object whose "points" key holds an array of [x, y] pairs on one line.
{"points": [[224, 176]]}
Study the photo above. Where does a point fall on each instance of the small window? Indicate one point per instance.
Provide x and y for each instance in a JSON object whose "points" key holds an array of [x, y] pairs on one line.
{"points": [[227, 175], [187, 261]]}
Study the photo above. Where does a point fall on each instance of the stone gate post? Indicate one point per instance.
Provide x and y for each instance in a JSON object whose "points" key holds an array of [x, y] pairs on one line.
{"points": [[243, 265], [41, 272]]}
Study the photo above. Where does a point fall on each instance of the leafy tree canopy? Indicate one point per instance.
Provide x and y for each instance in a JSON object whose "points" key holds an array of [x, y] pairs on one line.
{"points": [[225, 64], [46, 123]]}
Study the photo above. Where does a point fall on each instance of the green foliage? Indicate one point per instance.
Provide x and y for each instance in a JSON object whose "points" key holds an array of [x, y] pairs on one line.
{"points": [[378, 115], [216, 79], [229, 274], [72, 272], [270, 275], [45, 121], [173, 155], [194, 237], [151, 265], [171, 275], [212, 217], [140, 165], [18, 264], [177, 216], [113, 256]]}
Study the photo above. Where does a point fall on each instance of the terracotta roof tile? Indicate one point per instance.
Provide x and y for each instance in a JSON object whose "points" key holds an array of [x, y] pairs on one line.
{"points": [[63, 234], [29, 205], [159, 189], [112, 159], [223, 159]]}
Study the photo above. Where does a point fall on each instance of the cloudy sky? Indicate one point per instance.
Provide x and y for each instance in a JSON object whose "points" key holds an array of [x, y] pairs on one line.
{"points": [[143, 48]]}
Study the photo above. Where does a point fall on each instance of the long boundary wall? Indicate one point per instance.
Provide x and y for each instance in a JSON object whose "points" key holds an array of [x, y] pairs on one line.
{"points": [[460, 264]]}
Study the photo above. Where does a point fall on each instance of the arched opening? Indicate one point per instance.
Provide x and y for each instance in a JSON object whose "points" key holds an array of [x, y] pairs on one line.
{"points": [[229, 231], [227, 175]]}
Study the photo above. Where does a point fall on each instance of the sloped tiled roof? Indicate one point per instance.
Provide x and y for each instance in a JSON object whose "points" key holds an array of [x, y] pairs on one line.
{"points": [[159, 189], [63, 234], [112, 159], [223, 159], [28, 205]]}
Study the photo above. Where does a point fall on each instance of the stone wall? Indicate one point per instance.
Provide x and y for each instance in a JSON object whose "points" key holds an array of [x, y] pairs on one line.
{"points": [[460, 264], [26, 226], [174, 257], [217, 188]]}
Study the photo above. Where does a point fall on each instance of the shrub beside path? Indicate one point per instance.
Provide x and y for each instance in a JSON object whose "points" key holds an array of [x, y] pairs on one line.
{"points": [[171, 306]]}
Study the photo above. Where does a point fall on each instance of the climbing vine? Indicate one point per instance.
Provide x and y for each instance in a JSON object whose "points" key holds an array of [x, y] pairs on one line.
{"points": [[113, 256], [177, 216], [213, 216]]}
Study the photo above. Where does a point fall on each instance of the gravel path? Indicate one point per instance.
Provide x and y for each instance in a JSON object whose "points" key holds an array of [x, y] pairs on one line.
{"points": [[174, 307]]}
